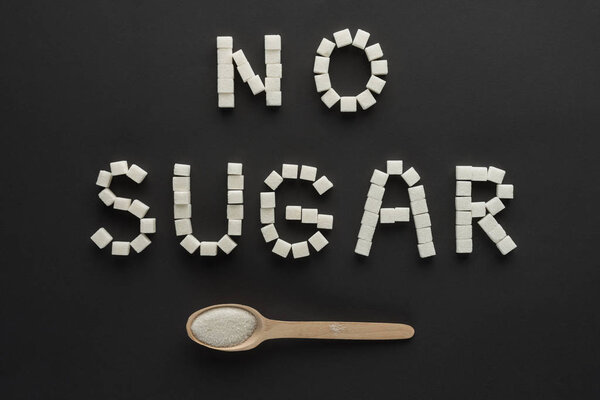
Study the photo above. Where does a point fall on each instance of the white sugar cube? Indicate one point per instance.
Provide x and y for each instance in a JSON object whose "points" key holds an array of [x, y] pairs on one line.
{"points": [[256, 85], [138, 209], [293, 213], [506, 245], [394, 167], [416, 193], [372, 205], [226, 244], [363, 247], [478, 209], [224, 42], [497, 234], [102, 238], [225, 71], [324, 221], [140, 243], [272, 42], [360, 39], [235, 211], [426, 250], [321, 65], [463, 188], [300, 250], [379, 67], [235, 197], [387, 215], [424, 235], [246, 72], [330, 98], [310, 216], [226, 100], [370, 218], [289, 171], [107, 196], [272, 56], [463, 218], [325, 47], [348, 104], [479, 174], [464, 172], [148, 225], [505, 191], [342, 38], [308, 173], [402, 214], [272, 84], [183, 227], [464, 231], [419, 207], [322, 82], [494, 206], [366, 232], [273, 180], [122, 203], [267, 200], [422, 220], [269, 233], [322, 185], [275, 71], [273, 98], [225, 85], [182, 197], [234, 227], [182, 211], [119, 168], [182, 169], [379, 177], [190, 243], [104, 179], [235, 182], [208, 249], [375, 84], [239, 58], [464, 246], [282, 248], [120, 248], [488, 223], [365, 99], [224, 56], [376, 192], [462, 203], [495, 175], [374, 52], [318, 241], [411, 176], [267, 215], [181, 184]]}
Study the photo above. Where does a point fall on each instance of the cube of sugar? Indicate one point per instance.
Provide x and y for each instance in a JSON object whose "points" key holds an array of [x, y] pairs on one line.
{"points": [[182, 211], [464, 172], [104, 179], [463, 188], [267, 200], [224, 42], [419, 207], [411, 176], [322, 82], [148, 225], [402, 214], [422, 220], [235, 182], [506, 245], [360, 39], [183, 227], [348, 104], [273, 98], [494, 206], [322, 185], [182, 169], [330, 98], [505, 191], [269, 233], [310, 215], [416, 193], [102, 238], [122, 203], [308, 173], [479, 174], [497, 234], [342, 38], [138, 209], [272, 56], [324, 221], [488, 223], [235, 211], [463, 218], [182, 197], [272, 42], [224, 56], [239, 58], [235, 197], [424, 235], [273, 180], [372, 205], [374, 52], [267, 215], [464, 246], [394, 167], [120, 248], [118, 168], [376, 192], [365, 99], [464, 232], [276, 70], [140, 243], [234, 227], [379, 67], [462, 203], [375, 84], [282, 248], [495, 175], [379, 177], [107, 196], [208, 249], [225, 85], [426, 250], [272, 84], [478, 209], [256, 85], [246, 72], [387, 215], [325, 47], [366, 232], [300, 250], [181, 184], [225, 71], [226, 244], [226, 100], [318, 241], [370, 218], [190, 243], [289, 171], [293, 213], [363, 247], [321, 65]]}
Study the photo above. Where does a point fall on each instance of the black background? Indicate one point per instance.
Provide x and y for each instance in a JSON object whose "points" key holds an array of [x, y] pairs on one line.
{"points": [[513, 84]]}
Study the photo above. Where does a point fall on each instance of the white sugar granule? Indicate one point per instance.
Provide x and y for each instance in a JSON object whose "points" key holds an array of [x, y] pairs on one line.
{"points": [[224, 326]]}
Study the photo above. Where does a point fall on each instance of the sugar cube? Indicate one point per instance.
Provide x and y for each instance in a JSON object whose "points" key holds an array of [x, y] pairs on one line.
{"points": [[478, 209], [464, 246], [363, 247], [462, 203], [322, 185], [464, 232], [348, 104], [272, 56], [506, 245], [375, 84], [226, 244], [181, 184], [118, 168], [360, 39], [342, 38], [318, 241], [272, 84], [122, 203], [267, 200], [107, 196], [269, 233], [330, 98], [419, 207], [234, 168], [487, 223], [300, 250], [322, 82], [102, 238], [325, 47], [463, 218], [495, 175], [136, 173], [120, 248], [422, 220], [282, 248], [138, 208], [497, 233], [372, 205], [379, 67], [272, 42], [365, 99], [183, 227], [387, 215], [273, 98], [235, 197], [104, 178], [182, 169], [235, 182], [411, 176], [376, 192], [224, 56], [273, 180], [369, 218], [394, 167], [366, 232], [402, 214], [208, 249], [416, 193], [308, 173], [505, 191], [246, 72], [182, 197], [190, 243], [267, 215], [225, 71], [494, 206], [324, 221], [321, 65], [374, 52], [239, 58], [224, 42], [293, 213], [275, 70], [140, 243], [464, 172], [226, 100], [309, 215], [182, 211], [289, 171], [463, 188], [379, 177], [424, 235], [234, 227], [148, 225], [426, 249], [256, 85], [479, 174], [225, 85], [235, 211]]}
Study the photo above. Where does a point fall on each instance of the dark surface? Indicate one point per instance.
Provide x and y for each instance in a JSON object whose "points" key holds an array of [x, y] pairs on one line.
{"points": [[512, 84]]}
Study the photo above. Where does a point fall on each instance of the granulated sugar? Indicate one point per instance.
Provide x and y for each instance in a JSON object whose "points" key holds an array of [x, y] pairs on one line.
{"points": [[224, 326]]}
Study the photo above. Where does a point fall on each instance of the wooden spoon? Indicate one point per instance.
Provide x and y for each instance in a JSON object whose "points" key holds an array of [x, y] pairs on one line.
{"points": [[272, 329]]}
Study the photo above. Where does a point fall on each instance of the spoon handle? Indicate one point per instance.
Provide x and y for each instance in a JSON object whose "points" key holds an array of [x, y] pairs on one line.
{"points": [[337, 330]]}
